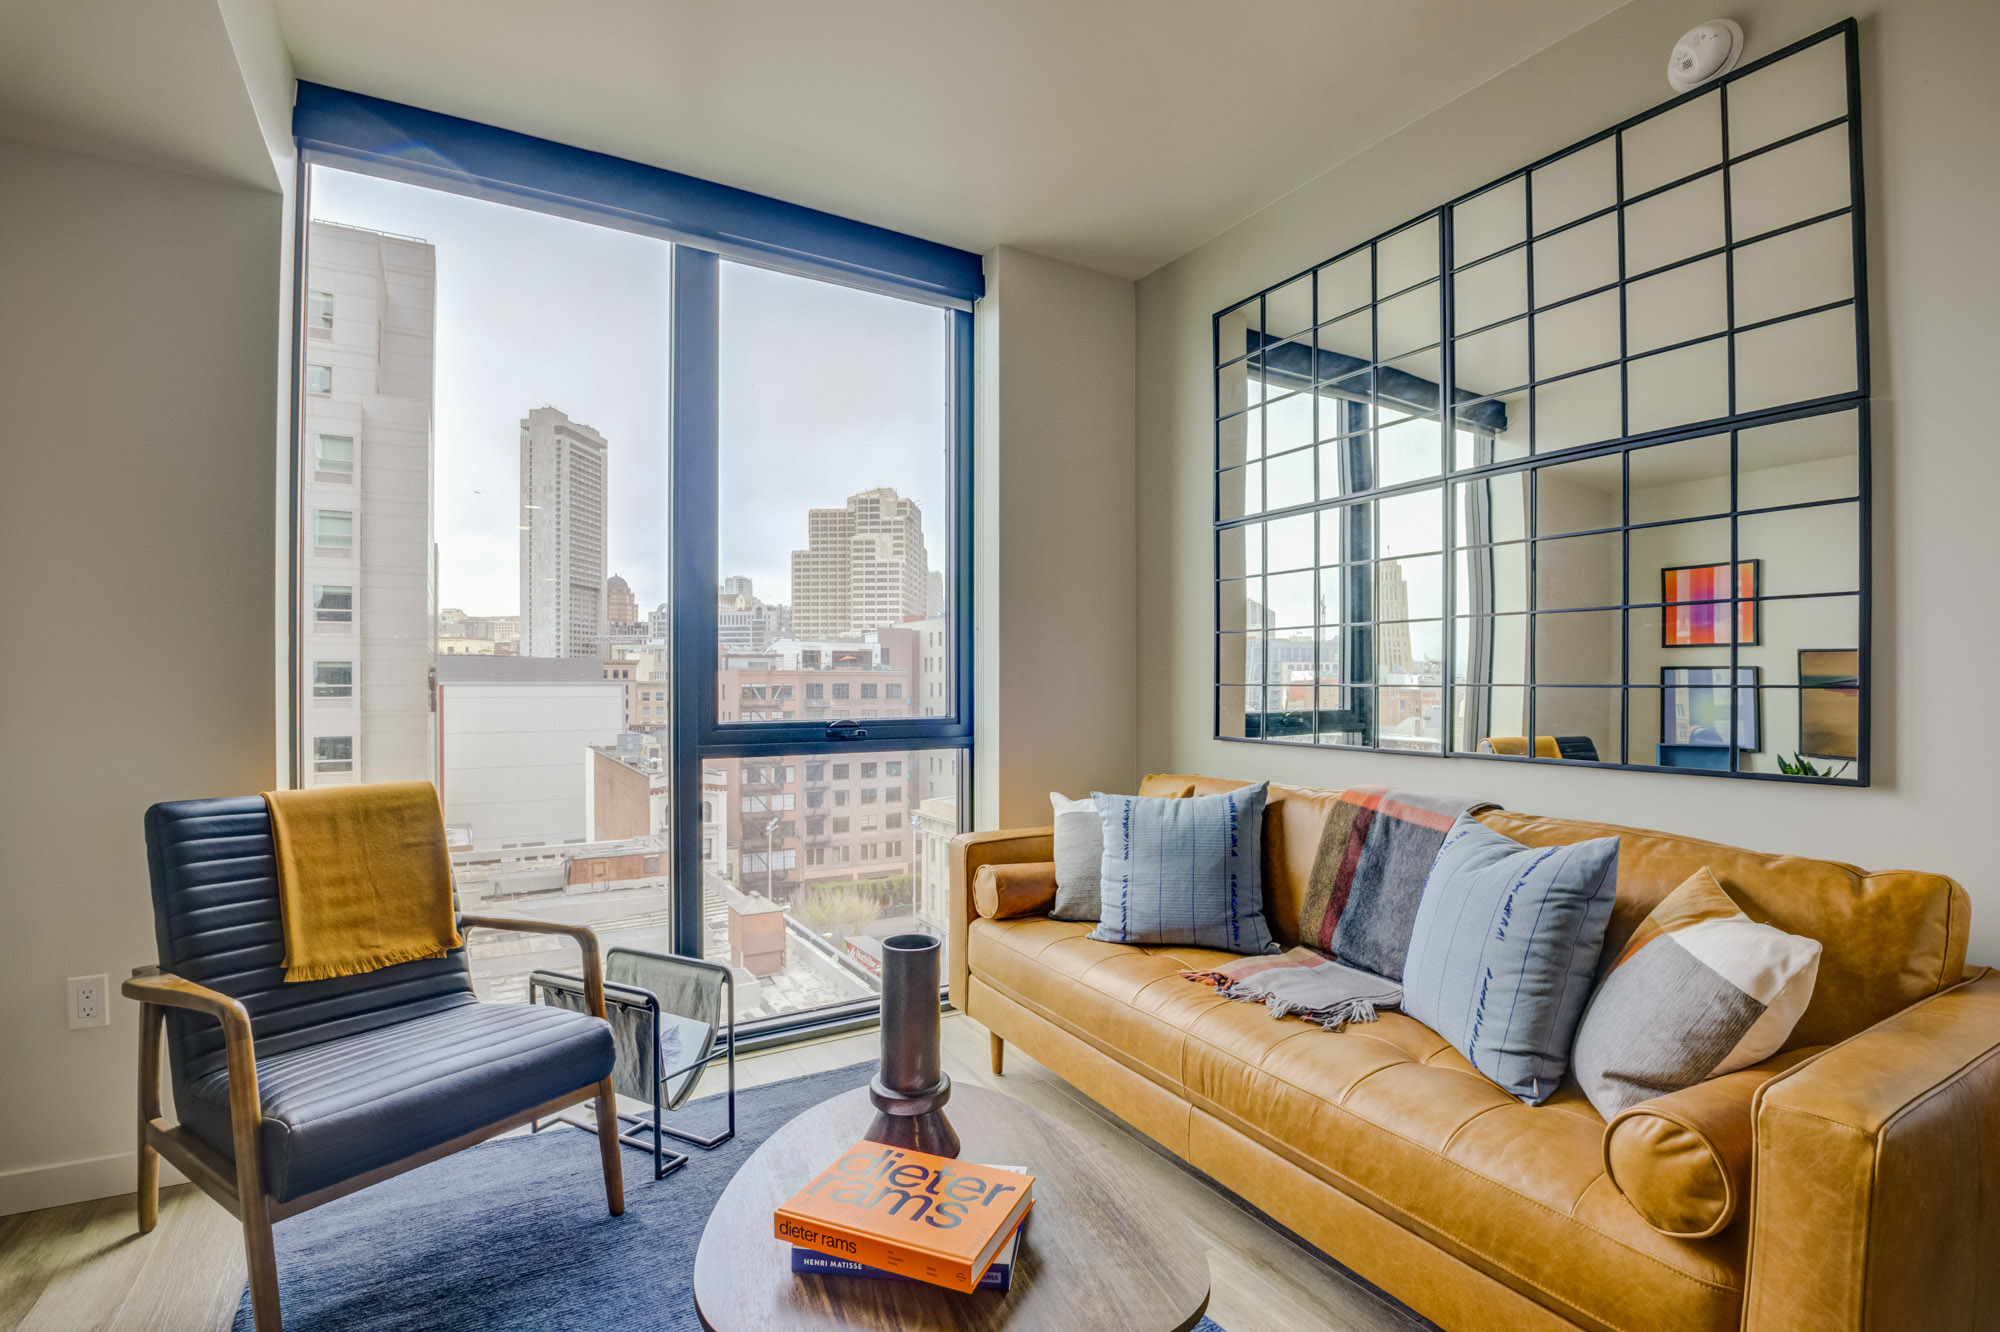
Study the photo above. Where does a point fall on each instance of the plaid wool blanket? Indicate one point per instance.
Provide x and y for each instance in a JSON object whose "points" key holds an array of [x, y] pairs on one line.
{"points": [[1361, 902], [1300, 982], [1374, 854]]}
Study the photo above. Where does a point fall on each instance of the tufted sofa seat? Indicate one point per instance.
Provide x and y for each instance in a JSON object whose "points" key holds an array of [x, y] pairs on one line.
{"points": [[1385, 1147]]}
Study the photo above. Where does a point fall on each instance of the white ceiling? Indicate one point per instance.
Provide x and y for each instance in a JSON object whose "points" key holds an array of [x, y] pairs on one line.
{"points": [[1115, 134]]}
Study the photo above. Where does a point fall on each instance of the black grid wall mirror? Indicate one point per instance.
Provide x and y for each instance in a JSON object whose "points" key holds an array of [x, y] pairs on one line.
{"points": [[1572, 469]]}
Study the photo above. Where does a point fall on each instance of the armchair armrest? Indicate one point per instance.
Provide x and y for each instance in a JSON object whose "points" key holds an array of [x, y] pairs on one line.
{"points": [[969, 851], [1876, 1194], [586, 940], [158, 992]]}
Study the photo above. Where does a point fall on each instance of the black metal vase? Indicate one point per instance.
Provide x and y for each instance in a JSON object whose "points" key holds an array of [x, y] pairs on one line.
{"points": [[910, 1088]]}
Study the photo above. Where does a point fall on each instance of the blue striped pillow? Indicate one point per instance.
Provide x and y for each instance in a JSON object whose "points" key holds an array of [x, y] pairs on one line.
{"points": [[1505, 946], [1186, 871]]}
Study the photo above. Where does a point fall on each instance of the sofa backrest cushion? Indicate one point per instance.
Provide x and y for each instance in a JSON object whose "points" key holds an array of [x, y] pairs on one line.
{"points": [[1889, 938]]}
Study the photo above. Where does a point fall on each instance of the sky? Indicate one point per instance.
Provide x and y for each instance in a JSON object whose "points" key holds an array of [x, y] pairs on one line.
{"points": [[825, 390]]}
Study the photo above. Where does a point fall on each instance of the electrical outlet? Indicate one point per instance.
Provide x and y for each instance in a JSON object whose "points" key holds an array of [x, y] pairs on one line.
{"points": [[89, 1001]]}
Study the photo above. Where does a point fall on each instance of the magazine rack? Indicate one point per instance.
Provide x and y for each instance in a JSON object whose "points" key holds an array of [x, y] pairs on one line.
{"points": [[670, 1017]]}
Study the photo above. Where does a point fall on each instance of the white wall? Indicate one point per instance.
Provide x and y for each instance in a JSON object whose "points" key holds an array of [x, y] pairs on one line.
{"points": [[1055, 606], [1931, 107], [137, 370]]}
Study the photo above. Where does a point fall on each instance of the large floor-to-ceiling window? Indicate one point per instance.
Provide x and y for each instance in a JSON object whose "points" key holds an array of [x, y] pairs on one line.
{"points": [[645, 546]]}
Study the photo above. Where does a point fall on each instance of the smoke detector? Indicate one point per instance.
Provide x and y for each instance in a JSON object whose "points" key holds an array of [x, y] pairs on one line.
{"points": [[1703, 53]]}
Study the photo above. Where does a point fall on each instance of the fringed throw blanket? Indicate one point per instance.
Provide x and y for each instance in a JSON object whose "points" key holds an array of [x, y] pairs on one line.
{"points": [[1302, 983], [1374, 854]]}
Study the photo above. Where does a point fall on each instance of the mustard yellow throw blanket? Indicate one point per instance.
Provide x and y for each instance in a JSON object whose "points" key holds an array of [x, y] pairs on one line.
{"points": [[364, 881]]}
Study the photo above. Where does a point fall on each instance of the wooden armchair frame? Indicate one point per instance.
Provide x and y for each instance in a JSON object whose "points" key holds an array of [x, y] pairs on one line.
{"points": [[239, 1185]]}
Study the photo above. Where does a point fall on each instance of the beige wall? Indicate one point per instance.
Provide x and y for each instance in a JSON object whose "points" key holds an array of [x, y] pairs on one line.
{"points": [[136, 364], [1931, 107], [1056, 531]]}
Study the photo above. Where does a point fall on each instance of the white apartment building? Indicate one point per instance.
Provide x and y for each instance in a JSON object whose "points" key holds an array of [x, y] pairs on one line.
{"points": [[517, 739], [744, 622], [563, 507], [864, 566], [365, 565]]}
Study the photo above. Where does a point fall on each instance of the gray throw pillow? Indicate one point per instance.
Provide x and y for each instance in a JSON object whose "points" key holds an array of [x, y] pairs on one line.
{"points": [[1504, 950], [1187, 871], [1079, 850]]}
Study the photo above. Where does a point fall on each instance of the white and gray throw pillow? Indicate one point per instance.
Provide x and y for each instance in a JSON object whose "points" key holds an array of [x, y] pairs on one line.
{"points": [[1079, 858]]}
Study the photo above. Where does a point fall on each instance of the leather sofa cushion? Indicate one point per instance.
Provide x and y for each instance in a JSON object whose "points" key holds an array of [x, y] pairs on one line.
{"points": [[1683, 1159], [1004, 891], [1388, 1113], [347, 1106]]}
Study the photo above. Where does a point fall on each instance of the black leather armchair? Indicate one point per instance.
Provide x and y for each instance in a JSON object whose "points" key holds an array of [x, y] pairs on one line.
{"points": [[292, 1095]]}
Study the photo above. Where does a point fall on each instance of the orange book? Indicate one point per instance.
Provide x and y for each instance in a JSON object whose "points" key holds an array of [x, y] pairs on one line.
{"points": [[927, 1217]]}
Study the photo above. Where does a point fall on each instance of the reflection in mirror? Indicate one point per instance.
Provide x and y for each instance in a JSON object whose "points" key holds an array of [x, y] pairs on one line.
{"points": [[1233, 438], [1235, 600], [1232, 388], [1579, 496], [1410, 589], [1235, 658], [1409, 525], [1667, 147], [1495, 361], [1345, 536], [1804, 551], [1238, 551], [1347, 344], [1583, 409], [1239, 491], [1679, 305], [1492, 509], [1790, 184], [1579, 647], [1407, 322], [1491, 580], [1653, 550], [1580, 571], [1582, 333], [1288, 600], [1409, 450], [1795, 271], [1803, 461], [1491, 430], [1687, 479], [1490, 291], [1233, 329], [1288, 480], [1486, 714], [1289, 309], [1578, 259], [1796, 360], [1678, 387], [1490, 221], [1409, 652], [1586, 724], [1410, 719], [1792, 629], [1288, 423], [1288, 657], [1575, 185], [1346, 285], [1678, 224], [1794, 94], [1408, 257], [1490, 650], [1289, 543]]}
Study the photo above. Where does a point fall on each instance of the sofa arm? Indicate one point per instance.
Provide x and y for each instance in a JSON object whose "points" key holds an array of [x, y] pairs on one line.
{"points": [[969, 851], [1876, 1196]]}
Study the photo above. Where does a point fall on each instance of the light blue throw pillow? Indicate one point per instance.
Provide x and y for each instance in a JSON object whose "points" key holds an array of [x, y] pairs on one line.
{"points": [[1184, 871], [1504, 950]]}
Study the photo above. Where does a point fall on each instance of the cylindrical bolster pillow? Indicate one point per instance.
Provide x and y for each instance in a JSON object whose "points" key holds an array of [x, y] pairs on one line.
{"points": [[1683, 1159], [1000, 892]]}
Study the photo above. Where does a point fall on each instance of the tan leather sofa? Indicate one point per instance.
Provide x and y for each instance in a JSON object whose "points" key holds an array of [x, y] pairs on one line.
{"points": [[1862, 1185]]}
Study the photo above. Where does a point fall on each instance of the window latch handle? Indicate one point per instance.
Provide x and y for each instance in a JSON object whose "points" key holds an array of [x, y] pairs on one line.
{"points": [[846, 730]]}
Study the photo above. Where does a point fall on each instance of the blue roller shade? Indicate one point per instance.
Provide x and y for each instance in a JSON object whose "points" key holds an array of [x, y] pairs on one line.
{"points": [[465, 155]]}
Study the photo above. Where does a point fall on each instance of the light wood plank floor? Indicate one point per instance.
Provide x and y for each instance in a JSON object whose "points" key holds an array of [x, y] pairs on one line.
{"points": [[85, 1267]]}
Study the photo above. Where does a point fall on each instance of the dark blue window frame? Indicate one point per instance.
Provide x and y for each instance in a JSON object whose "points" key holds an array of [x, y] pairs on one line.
{"points": [[707, 222]]}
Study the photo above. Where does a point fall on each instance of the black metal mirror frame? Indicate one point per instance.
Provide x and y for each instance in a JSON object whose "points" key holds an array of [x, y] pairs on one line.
{"points": [[1282, 359]]}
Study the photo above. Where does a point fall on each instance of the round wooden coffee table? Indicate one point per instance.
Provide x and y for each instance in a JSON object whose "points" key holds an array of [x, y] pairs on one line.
{"points": [[1101, 1249]]}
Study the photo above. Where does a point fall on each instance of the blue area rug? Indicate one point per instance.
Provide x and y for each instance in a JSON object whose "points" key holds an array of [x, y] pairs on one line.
{"points": [[513, 1234]]}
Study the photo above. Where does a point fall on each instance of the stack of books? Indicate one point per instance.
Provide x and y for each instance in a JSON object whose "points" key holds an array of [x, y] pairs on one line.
{"points": [[884, 1212]]}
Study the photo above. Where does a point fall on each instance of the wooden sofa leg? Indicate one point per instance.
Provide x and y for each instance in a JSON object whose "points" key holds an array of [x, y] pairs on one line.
{"points": [[999, 1052], [262, 1259], [607, 1146]]}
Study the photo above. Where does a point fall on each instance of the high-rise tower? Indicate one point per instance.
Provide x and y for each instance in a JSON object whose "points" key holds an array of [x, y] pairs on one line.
{"points": [[563, 494]]}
